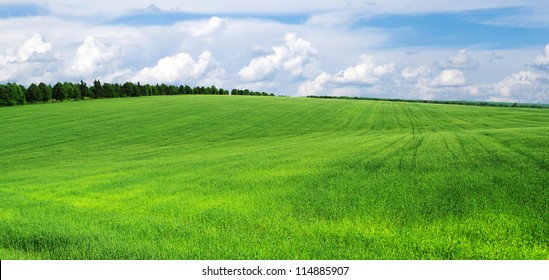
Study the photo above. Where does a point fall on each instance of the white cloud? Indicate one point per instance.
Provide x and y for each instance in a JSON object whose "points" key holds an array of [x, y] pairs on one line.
{"points": [[93, 57], [120, 76], [425, 88], [450, 78], [315, 86], [293, 57], [462, 60], [205, 29], [28, 63], [176, 69], [524, 86], [368, 71], [417, 83], [523, 79], [542, 60], [35, 45], [216, 77], [262, 66], [331, 19], [413, 74]]}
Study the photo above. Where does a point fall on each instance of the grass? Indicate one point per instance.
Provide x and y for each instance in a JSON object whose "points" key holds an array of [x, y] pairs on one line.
{"points": [[232, 177]]}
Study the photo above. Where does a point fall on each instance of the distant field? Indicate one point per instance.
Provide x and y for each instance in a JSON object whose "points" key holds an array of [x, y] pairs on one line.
{"points": [[239, 177]]}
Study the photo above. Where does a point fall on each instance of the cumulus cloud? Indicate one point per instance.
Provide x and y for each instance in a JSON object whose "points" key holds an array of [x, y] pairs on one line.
{"points": [[542, 60], [521, 79], [448, 85], [213, 25], [416, 83], [315, 86], [92, 57], [368, 71], [293, 57], [35, 45], [523, 86], [260, 67], [176, 69], [413, 74], [26, 63], [450, 78], [461, 60]]}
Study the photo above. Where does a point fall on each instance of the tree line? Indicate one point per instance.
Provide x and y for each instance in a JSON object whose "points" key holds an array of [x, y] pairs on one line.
{"points": [[12, 94]]}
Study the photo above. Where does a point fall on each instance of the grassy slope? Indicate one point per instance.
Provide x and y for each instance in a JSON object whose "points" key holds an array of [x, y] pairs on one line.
{"points": [[227, 177]]}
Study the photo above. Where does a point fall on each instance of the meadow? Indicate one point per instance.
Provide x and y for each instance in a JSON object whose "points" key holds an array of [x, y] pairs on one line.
{"points": [[242, 177]]}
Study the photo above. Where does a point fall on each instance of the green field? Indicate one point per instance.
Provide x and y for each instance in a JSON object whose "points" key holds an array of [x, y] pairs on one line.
{"points": [[238, 177]]}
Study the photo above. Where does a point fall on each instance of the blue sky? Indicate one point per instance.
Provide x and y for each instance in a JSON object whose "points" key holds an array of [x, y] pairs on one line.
{"points": [[459, 50], [458, 29], [20, 10]]}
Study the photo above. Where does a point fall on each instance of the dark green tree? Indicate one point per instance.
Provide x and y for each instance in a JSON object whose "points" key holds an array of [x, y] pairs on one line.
{"points": [[223, 91], [47, 92], [117, 89], [84, 90], [33, 94], [134, 90], [146, 90], [72, 90], [129, 89], [172, 90], [142, 89], [108, 91], [5, 97], [12, 94], [162, 89], [98, 90], [59, 92], [188, 89]]}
